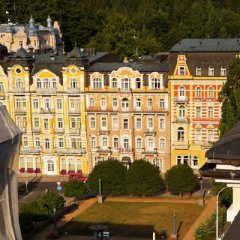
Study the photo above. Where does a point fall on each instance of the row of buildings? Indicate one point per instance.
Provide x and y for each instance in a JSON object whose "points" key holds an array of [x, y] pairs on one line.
{"points": [[80, 108]]}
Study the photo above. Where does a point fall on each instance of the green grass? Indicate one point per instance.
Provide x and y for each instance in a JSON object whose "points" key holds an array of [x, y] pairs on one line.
{"points": [[135, 219]]}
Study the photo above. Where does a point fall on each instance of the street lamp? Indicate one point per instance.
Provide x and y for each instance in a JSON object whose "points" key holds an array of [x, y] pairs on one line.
{"points": [[217, 210], [55, 231]]}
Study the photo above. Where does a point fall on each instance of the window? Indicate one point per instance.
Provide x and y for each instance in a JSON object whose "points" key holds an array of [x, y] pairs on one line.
{"points": [[59, 103], [35, 103], [198, 134], [179, 160], [162, 143], [161, 123], [104, 142], [114, 103], [150, 143], [78, 120], [54, 83], [139, 143], [71, 103], [210, 92], [223, 71], [79, 143], [18, 102], [149, 103], [92, 122], [210, 112], [138, 123], [198, 71], [198, 92], [181, 70], [185, 159], [138, 103], [126, 84], [161, 103], [78, 103], [115, 122], [198, 112], [150, 123], [181, 91], [97, 83], [46, 123], [1, 87], [195, 161], [39, 84], [24, 119], [103, 103], [36, 122], [25, 141], [60, 123], [72, 123], [19, 83], [24, 103], [125, 123], [157, 163], [115, 142], [125, 103], [47, 103], [210, 71], [93, 141], [60, 142], [73, 83], [180, 136], [181, 111], [37, 142], [73, 143], [138, 83], [46, 83], [104, 122], [18, 121], [114, 83], [46, 143], [92, 103], [126, 143], [155, 83]]}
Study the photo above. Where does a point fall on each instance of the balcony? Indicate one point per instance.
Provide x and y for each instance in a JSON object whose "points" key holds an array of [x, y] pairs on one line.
{"points": [[23, 129], [20, 110], [67, 151], [125, 109], [73, 90], [18, 90], [181, 145], [104, 150], [74, 111], [180, 120], [206, 145], [47, 110], [30, 150], [36, 130], [46, 90], [149, 151], [103, 131], [59, 130], [180, 99], [74, 131], [126, 150], [150, 132]]}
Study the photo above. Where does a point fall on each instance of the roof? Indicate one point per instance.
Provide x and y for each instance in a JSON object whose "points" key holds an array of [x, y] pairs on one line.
{"points": [[22, 53], [207, 45], [234, 231], [108, 67], [8, 128], [228, 146]]}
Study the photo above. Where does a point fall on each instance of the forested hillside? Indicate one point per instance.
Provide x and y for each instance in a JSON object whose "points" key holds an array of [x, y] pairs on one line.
{"points": [[130, 27]]}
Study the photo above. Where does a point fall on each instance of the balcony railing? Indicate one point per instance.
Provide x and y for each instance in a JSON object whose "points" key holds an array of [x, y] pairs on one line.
{"points": [[46, 90], [46, 110], [36, 130], [74, 131], [30, 150], [20, 110], [181, 145], [150, 132], [18, 89], [73, 90], [104, 150], [59, 130], [150, 151], [23, 129], [125, 150], [103, 131], [79, 151], [181, 120], [180, 99], [75, 110]]}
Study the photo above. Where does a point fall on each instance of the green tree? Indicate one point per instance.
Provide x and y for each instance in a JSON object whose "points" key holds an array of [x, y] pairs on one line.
{"points": [[143, 179], [181, 179], [230, 97], [74, 188], [112, 173]]}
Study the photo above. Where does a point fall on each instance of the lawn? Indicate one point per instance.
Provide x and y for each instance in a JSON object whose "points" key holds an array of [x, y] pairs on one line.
{"points": [[135, 219]]}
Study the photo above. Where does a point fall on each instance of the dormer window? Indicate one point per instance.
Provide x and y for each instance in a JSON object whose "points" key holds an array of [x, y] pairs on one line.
{"points": [[19, 83], [198, 71], [114, 83], [54, 83], [155, 83], [46, 83], [223, 71], [126, 84], [210, 71], [74, 83], [97, 83], [181, 70], [39, 84], [138, 83]]}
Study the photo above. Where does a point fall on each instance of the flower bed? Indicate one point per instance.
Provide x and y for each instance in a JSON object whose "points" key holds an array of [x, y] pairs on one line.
{"points": [[63, 172], [30, 170], [22, 170]]}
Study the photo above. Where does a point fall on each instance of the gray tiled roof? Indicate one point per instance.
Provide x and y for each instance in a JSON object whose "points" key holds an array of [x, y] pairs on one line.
{"points": [[207, 45], [22, 53]]}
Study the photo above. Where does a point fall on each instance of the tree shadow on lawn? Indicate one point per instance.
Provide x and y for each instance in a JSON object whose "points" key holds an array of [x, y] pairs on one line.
{"points": [[124, 230]]}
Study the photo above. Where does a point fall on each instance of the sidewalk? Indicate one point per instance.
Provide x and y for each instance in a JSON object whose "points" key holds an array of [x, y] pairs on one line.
{"points": [[206, 213]]}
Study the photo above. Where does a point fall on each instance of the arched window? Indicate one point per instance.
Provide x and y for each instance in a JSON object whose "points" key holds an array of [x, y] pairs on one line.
{"points": [[223, 71], [93, 141], [195, 161], [198, 134], [50, 166], [210, 92], [150, 143], [210, 135], [92, 102], [19, 83], [126, 84], [97, 83], [73, 83], [138, 103], [181, 111], [181, 91], [103, 103], [138, 83], [149, 103], [198, 92], [161, 103], [114, 83], [155, 83], [180, 135], [138, 142], [115, 103], [210, 71], [150, 123], [104, 142], [162, 143], [63, 164], [186, 160], [125, 103], [198, 71], [179, 160]]}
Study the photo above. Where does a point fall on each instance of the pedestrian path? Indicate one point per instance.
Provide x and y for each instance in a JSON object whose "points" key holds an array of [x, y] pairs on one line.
{"points": [[206, 213]]}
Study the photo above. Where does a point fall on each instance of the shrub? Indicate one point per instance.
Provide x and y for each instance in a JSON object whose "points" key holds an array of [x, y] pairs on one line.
{"points": [[22, 170], [63, 172], [181, 179], [74, 188], [112, 173], [143, 179]]}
